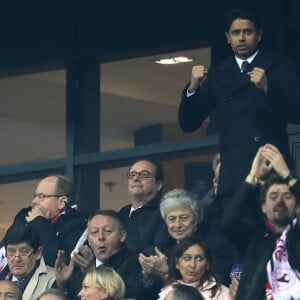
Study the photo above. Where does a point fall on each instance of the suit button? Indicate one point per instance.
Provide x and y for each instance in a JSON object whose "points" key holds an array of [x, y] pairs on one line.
{"points": [[256, 139]]}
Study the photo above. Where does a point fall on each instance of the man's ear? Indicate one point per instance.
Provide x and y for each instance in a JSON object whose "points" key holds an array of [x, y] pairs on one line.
{"points": [[227, 37], [39, 252], [123, 235], [63, 200], [176, 263], [259, 35], [297, 209], [159, 185]]}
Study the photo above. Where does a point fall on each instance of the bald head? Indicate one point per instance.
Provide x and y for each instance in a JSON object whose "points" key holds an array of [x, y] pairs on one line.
{"points": [[52, 294], [9, 291]]}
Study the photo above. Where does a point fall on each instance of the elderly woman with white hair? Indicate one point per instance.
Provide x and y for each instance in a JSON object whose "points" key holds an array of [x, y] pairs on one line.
{"points": [[183, 216]]}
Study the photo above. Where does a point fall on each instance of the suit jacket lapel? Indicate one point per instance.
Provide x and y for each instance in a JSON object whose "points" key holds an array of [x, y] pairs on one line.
{"points": [[230, 69]]}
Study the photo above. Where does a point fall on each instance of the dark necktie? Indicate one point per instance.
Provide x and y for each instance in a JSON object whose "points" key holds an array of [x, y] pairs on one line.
{"points": [[245, 67]]}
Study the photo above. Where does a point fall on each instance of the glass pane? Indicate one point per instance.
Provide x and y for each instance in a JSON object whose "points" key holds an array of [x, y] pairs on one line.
{"points": [[139, 98], [194, 173], [113, 188], [14, 196], [32, 123]]}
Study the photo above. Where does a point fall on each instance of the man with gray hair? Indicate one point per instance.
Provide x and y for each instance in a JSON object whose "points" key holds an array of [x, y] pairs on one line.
{"points": [[183, 216]]}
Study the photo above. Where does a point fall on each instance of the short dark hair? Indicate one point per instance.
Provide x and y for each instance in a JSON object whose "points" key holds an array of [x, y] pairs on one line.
{"points": [[186, 292], [66, 187], [270, 181], [17, 234], [109, 213], [250, 14], [159, 176], [55, 292]]}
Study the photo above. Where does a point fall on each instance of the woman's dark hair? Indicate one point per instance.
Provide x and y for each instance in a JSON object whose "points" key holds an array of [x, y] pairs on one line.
{"points": [[208, 275]]}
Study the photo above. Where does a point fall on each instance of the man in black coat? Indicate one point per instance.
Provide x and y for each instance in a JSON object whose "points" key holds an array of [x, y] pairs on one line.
{"points": [[253, 104], [106, 235], [53, 216], [142, 219], [270, 244]]}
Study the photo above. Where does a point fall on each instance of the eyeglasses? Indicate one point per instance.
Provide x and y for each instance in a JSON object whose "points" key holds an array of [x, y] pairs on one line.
{"points": [[141, 175], [42, 196], [22, 253]]}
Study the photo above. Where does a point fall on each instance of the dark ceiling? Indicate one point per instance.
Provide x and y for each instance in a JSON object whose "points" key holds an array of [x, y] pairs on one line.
{"points": [[37, 33]]}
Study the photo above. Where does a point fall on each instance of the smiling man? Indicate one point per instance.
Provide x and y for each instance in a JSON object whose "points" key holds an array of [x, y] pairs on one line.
{"points": [[254, 94], [142, 220], [270, 244], [106, 235]]}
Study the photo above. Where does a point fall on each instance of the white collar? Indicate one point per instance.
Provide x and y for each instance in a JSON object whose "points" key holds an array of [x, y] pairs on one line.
{"points": [[98, 262], [132, 209], [249, 59]]}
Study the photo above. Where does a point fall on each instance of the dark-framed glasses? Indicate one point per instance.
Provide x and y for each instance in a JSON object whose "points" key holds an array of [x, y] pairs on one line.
{"points": [[141, 175], [22, 253], [42, 196]]}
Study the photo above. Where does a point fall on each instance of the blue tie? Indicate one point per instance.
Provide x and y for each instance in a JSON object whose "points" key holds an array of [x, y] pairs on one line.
{"points": [[245, 67]]}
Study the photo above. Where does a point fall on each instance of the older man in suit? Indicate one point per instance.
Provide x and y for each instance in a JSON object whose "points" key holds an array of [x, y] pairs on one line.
{"points": [[254, 93]]}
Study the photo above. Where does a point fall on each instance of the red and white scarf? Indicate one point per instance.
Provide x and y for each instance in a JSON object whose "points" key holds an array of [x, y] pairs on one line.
{"points": [[283, 282]]}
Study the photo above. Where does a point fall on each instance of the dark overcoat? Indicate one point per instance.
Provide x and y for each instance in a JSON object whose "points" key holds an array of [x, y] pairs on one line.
{"points": [[247, 117]]}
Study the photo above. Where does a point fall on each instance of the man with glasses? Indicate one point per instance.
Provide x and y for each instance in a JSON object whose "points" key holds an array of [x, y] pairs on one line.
{"points": [[142, 220], [54, 216], [26, 266]]}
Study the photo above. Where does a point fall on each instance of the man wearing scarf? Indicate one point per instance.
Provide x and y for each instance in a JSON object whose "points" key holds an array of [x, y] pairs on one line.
{"points": [[267, 231], [54, 217]]}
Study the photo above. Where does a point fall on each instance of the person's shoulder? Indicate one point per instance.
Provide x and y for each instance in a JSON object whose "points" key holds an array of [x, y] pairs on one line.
{"points": [[155, 202], [73, 218], [74, 214], [125, 209], [265, 54], [123, 258]]}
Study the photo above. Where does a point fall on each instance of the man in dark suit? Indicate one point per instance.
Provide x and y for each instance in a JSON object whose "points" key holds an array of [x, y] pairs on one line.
{"points": [[253, 103], [106, 236], [142, 219], [54, 216]]}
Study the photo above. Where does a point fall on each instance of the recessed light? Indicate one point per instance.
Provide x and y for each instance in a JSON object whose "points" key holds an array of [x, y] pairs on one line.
{"points": [[173, 60]]}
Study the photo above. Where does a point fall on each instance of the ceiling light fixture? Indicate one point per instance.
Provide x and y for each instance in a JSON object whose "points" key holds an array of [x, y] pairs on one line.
{"points": [[173, 60]]}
